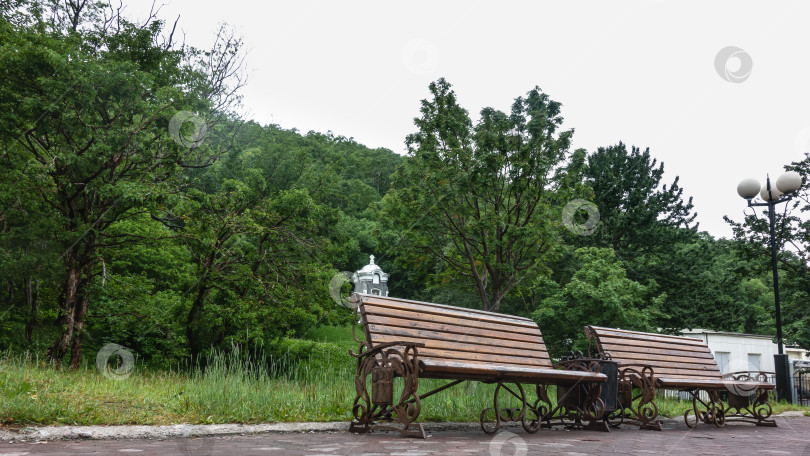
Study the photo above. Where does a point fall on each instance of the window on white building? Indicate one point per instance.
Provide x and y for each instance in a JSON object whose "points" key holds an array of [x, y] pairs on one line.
{"points": [[753, 361], [723, 359]]}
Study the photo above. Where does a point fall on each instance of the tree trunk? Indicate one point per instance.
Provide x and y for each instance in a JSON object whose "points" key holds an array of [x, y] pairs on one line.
{"points": [[32, 297], [11, 285], [81, 311], [194, 343], [67, 309], [72, 291]]}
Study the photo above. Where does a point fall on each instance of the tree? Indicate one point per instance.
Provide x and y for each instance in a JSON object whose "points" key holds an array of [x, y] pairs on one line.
{"points": [[651, 228], [482, 201], [599, 294], [86, 98], [708, 288], [635, 210]]}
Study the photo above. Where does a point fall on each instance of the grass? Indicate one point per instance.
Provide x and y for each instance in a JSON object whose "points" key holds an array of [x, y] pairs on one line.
{"points": [[233, 389], [335, 335]]}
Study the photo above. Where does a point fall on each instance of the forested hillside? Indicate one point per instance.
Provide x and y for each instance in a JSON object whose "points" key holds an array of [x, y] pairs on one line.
{"points": [[137, 207]]}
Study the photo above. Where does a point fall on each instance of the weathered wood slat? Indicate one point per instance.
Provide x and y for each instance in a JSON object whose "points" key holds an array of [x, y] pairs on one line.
{"points": [[642, 351], [635, 335], [449, 320], [376, 321], [490, 372], [673, 357], [461, 347], [461, 312], [683, 371], [456, 355], [455, 312], [399, 333], [652, 343], [675, 383]]}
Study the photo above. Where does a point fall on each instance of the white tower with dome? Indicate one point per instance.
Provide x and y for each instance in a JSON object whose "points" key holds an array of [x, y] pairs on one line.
{"points": [[371, 279]]}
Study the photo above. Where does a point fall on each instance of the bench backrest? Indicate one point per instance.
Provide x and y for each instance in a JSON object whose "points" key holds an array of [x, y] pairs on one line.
{"points": [[453, 334], [672, 357]]}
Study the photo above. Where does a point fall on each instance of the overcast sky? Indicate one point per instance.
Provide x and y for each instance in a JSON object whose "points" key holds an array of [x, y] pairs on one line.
{"points": [[645, 72]]}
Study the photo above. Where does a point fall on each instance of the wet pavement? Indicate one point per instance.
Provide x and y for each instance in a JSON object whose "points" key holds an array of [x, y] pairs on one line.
{"points": [[791, 437]]}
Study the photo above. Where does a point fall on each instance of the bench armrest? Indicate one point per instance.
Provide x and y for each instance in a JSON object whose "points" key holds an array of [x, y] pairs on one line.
{"points": [[580, 364], [640, 375], [646, 368], [749, 376]]}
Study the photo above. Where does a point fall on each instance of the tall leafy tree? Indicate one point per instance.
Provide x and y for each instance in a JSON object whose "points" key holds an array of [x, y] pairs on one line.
{"points": [[86, 97], [636, 210], [480, 199], [650, 226]]}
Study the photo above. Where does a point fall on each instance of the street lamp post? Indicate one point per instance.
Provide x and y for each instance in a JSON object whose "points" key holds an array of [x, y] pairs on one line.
{"points": [[786, 185]]}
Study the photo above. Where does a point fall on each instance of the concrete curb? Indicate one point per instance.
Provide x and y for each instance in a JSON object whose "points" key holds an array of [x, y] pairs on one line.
{"points": [[160, 432], [50, 433]]}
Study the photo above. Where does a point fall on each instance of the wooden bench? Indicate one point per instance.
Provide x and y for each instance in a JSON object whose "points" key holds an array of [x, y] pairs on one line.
{"points": [[415, 340], [648, 361]]}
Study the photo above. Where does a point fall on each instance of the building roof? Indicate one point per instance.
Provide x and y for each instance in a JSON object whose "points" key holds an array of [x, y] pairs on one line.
{"points": [[728, 333], [724, 333], [368, 270]]}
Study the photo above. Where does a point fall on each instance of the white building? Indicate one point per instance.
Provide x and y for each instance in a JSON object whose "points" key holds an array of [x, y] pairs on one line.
{"points": [[371, 279], [737, 352]]}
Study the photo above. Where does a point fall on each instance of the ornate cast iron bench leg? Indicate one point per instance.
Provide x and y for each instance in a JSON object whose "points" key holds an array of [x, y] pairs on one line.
{"points": [[581, 401], [573, 408], [710, 412], [646, 410], [761, 410], [508, 414], [740, 407], [593, 410], [385, 362]]}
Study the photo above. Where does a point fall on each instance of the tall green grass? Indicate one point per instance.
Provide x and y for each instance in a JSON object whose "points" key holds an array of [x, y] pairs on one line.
{"points": [[301, 381], [233, 388]]}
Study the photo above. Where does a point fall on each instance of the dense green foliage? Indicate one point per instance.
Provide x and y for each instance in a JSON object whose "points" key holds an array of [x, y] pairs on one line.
{"points": [[120, 224], [485, 195], [600, 294]]}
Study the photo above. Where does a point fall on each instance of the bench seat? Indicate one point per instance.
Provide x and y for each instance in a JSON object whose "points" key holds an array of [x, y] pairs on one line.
{"points": [[483, 372], [686, 383]]}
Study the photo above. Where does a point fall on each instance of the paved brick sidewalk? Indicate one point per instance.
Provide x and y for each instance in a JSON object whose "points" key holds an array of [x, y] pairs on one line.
{"points": [[792, 437]]}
